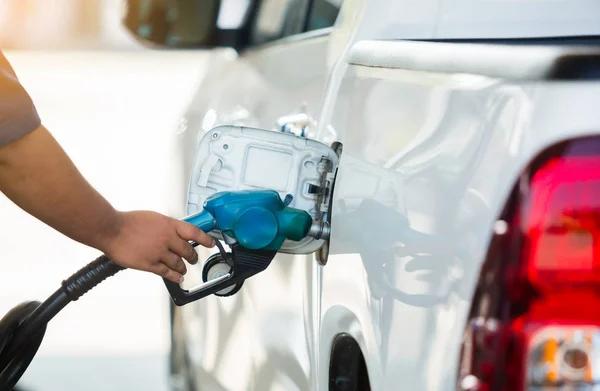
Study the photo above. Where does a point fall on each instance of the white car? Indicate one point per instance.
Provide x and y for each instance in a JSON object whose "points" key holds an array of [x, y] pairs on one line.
{"points": [[465, 213]]}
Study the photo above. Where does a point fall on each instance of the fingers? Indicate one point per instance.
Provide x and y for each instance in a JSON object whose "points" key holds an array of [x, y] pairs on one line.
{"points": [[163, 271], [175, 263], [184, 249], [188, 232]]}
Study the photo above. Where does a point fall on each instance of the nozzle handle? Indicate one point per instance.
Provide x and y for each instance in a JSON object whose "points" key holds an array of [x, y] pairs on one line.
{"points": [[206, 222], [248, 263], [203, 220]]}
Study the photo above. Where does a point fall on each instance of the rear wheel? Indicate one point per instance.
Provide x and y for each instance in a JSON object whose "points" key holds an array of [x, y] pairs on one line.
{"points": [[347, 367]]}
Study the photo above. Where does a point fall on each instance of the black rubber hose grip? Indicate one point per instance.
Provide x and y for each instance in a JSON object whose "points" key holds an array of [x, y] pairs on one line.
{"points": [[22, 328], [89, 276]]}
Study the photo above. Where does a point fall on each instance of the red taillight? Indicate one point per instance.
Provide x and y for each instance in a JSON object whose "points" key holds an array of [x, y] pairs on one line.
{"points": [[562, 225], [535, 317]]}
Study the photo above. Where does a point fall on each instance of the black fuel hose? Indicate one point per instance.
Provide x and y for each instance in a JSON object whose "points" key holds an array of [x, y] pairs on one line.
{"points": [[22, 328]]}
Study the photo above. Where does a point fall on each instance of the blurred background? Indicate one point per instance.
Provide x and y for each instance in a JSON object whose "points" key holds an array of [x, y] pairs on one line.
{"points": [[63, 24], [101, 94]]}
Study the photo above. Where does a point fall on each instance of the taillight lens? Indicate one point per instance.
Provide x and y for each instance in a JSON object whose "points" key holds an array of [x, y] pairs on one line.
{"points": [[535, 318]]}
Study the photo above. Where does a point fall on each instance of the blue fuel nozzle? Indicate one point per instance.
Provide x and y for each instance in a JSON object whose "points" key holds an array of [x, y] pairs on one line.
{"points": [[259, 222]]}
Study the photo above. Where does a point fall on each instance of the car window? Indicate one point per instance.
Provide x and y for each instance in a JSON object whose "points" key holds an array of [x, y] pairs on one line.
{"points": [[277, 19], [323, 14]]}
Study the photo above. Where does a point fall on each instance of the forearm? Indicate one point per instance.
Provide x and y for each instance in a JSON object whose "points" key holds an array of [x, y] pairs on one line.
{"points": [[37, 175]]}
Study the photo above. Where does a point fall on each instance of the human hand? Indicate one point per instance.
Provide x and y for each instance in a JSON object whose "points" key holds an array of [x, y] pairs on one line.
{"points": [[155, 243]]}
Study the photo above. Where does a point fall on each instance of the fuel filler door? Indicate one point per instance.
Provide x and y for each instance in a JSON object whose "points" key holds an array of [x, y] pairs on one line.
{"points": [[301, 170]]}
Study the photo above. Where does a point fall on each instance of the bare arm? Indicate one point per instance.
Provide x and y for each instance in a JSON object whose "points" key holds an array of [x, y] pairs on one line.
{"points": [[37, 175]]}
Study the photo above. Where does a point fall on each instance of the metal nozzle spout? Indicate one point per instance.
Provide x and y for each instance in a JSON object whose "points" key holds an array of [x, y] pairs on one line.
{"points": [[319, 230]]}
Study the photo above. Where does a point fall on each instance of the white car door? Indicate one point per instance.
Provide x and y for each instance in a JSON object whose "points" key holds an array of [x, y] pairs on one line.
{"points": [[261, 338]]}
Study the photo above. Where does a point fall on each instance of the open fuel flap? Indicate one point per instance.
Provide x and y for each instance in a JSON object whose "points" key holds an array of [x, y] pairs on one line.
{"points": [[302, 171]]}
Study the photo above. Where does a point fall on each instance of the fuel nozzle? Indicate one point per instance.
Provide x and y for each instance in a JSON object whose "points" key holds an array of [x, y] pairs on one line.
{"points": [[257, 223]]}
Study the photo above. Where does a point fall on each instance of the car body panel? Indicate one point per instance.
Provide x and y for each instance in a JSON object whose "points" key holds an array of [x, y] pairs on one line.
{"points": [[462, 146], [255, 341], [510, 19], [429, 159]]}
